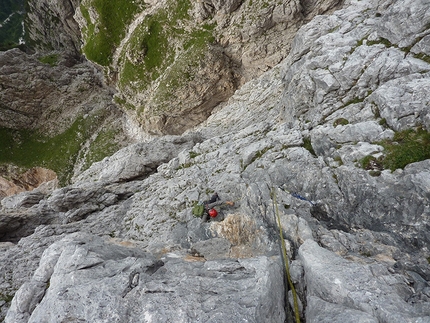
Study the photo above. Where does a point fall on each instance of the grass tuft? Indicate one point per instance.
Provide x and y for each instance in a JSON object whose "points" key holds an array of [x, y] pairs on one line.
{"points": [[308, 145], [50, 59], [340, 122], [406, 147]]}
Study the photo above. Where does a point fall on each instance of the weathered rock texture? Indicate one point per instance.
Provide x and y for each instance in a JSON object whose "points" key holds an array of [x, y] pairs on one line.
{"points": [[205, 51], [27, 181], [42, 100], [128, 247], [51, 26], [135, 286], [48, 98]]}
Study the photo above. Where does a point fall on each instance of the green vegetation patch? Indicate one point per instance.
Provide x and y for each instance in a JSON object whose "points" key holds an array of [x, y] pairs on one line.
{"points": [[371, 163], [193, 154], [103, 145], [148, 52], [180, 73], [102, 38], [6, 297], [51, 59], [406, 147], [340, 122], [166, 47], [308, 145], [354, 101], [25, 148]]}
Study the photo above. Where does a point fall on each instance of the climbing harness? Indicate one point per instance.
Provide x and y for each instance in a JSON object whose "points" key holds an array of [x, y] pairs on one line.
{"points": [[284, 254]]}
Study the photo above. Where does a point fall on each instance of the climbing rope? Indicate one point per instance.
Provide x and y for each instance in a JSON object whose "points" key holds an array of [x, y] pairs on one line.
{"points": [[284, 254]]}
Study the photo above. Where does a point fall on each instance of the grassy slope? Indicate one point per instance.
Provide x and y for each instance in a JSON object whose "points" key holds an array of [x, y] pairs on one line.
{"points": [[165, 49], [113, 19], [28, 149]]}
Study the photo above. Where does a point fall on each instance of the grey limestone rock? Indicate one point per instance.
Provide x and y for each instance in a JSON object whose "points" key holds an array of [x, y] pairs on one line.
{"points": [[95, 280], [138, 160], [350, 287], [357, 244]]}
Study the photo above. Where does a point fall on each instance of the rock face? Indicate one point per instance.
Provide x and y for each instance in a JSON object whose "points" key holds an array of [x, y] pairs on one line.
{"points": [[51, 26], [27, 181], [36, 95], [193, 53], [52, 101], [121, 243], [135, 286]]}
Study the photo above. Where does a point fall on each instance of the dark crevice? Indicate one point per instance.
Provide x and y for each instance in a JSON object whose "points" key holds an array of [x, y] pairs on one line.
{"points": [[154, 267]]}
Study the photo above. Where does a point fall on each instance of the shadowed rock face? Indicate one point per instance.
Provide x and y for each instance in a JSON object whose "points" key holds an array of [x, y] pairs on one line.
{"points": [[206, 50], [121, 241], [51, 25], [48, 98]]}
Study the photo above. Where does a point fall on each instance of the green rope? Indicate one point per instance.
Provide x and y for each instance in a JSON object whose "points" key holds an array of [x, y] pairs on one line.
{"points": [[284, 254]]}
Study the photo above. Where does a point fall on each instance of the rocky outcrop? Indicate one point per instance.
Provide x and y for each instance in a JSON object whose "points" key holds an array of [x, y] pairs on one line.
{"points": [[171, 78], [288, 143], [134, 286], [47, 97], [51, 26], [138, 160], [210, 83], [50, 101], [27, 181], [362, 292]]}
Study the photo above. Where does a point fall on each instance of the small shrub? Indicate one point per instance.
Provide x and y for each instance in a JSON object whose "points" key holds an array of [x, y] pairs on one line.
{"points": [[5, 297], [339, 160], [49, 59], [186, 165], [308, 145], [193, 154], [423, 57], [375, 173], [353, 101], [371, 163], [340, 122], [383, 122], [366, 253], [336, 179], [382, 41]]}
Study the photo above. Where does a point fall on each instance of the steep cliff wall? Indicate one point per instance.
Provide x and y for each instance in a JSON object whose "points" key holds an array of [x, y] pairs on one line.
{"points": [[173, 62], [55, 112], [50, 26], [170, 63]]}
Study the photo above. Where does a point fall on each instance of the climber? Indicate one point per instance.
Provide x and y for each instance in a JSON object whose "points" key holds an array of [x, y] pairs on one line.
{"points": [[206, 209]]}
